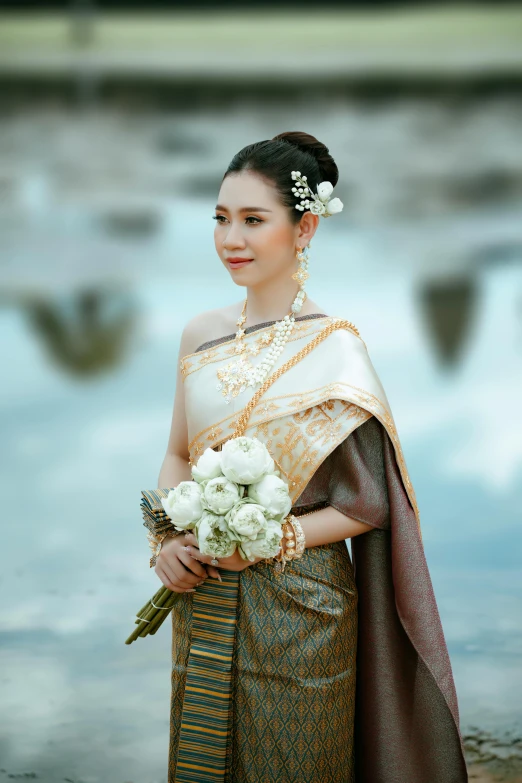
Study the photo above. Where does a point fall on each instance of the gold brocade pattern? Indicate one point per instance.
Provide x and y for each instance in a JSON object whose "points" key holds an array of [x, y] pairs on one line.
{"points": [[338, 418], [294, 669], [300, 441]]}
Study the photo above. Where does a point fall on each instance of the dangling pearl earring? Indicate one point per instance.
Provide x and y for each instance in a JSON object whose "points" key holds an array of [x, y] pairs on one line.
{"points": [[301, 275]]}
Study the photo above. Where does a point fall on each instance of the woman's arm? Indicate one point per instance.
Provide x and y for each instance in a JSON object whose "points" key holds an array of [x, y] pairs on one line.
{"points": [[352, 481], [173, 470], [175, 467], [327, 525], [174, 566]]}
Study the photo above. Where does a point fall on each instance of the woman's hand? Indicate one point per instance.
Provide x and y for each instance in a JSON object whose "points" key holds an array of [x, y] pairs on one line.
{"points": [[233, 563], [177, 569]]}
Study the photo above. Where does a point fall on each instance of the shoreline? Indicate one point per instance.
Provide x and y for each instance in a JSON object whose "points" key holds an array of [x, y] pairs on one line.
{"points": [[457, 49], [493, 757]]}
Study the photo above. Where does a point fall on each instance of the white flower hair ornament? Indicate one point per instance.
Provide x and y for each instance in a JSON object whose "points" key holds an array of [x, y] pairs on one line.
{"points": [[320, 203]]}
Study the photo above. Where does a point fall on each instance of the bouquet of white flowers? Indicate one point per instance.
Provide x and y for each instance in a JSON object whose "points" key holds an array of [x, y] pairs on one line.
{"points": [[237, 498]]}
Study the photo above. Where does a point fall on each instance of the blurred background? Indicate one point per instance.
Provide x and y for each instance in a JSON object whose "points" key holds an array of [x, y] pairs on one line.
{"points": [[117, 122]]}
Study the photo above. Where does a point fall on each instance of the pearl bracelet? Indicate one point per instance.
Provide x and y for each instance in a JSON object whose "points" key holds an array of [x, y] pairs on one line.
{"points": [[295, 542]]}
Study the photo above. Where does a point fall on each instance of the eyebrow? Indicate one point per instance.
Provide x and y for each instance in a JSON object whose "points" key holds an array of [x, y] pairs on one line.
{"points": [[245, 209]]}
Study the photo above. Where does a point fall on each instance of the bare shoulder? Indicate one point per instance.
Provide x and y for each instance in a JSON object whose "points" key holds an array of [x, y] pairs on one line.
{"points": [[310, 307], [209, 325]]}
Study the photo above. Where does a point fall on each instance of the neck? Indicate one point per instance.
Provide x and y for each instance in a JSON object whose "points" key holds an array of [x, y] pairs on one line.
{"points": [[271, 302]]}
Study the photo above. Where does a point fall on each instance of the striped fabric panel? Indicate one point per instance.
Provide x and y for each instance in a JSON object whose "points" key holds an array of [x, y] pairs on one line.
{"points": [[205, 717], [153, 498], [155, 518]]}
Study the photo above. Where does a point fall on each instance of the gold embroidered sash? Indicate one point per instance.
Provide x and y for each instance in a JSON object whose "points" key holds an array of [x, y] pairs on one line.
{"points": [[306, 412]]}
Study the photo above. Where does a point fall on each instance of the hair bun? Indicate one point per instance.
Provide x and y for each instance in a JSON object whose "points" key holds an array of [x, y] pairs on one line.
{"points": [[307, 143]]}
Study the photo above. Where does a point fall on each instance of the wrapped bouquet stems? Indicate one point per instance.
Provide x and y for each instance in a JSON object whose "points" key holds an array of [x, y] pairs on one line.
{"points": [[149, 618]]}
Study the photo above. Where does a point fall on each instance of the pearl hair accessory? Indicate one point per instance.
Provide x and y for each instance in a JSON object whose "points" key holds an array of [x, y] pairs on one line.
{"points": [[321, 204]]}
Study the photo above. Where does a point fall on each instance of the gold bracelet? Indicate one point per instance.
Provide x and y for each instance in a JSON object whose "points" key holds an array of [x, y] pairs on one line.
{"points": [[285, 554], [156, 541], [277, 558], [295, 539], [299, 537]]}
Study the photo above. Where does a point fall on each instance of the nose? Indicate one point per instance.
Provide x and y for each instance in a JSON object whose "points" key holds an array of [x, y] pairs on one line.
{"points": [[234, 238]]}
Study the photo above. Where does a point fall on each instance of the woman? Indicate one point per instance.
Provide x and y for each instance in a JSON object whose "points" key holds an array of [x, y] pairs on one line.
{"points": [[326, 671]]}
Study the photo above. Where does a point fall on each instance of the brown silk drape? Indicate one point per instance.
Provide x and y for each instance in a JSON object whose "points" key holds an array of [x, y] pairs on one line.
{"points": [[406, 708]]}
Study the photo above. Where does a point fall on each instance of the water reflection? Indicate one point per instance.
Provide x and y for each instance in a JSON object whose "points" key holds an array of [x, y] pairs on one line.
{"points": [[88, 333], [450, 308]]}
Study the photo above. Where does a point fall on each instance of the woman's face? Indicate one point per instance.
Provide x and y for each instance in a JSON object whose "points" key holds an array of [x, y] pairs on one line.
{"points": [[251, 223]]}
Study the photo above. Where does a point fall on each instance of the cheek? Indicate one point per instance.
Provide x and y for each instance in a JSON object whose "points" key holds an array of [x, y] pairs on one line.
{"points": [[218, 239], [275, 238]]}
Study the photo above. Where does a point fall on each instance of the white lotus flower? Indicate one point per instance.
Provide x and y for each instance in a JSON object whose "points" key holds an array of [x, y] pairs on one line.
{"points": [[324, 190], [247, 520], [221, 494], [245, 460], [208, 466], [334, 206], [267, 545], [271, 493], [213, 536], [183, 504]]}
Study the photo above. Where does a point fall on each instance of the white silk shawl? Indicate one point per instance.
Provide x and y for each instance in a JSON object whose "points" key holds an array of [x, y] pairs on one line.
{"points": [[308, 410]]}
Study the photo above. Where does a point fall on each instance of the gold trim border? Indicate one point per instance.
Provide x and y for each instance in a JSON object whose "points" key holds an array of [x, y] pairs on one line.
{"points": [[303, 329]]}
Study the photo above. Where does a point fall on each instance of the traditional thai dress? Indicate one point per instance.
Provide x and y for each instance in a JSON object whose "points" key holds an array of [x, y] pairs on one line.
{"points": [[332, 671]]}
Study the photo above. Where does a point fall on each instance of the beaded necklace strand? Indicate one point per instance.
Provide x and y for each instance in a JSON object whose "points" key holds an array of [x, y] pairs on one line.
{"points": [[240, 374]]}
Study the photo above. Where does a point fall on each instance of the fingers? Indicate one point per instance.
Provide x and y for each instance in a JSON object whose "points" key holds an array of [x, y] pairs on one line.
{"points": [[177, 563], [194, 552], [169, 583], [191, 563], [174, 571], [196, 557]]}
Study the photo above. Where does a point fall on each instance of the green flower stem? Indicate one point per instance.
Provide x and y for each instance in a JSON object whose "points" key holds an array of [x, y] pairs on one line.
{"points": [[161, 614], [149, 612], [160, 599], [141, 612], [149, 608]]}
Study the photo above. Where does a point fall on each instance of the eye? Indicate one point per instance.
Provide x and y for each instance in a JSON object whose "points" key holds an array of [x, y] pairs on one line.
{"points": [[250, 217]]}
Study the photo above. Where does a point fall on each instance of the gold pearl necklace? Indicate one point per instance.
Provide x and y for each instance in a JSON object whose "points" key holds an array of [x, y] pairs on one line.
{"points": [[241, 374]]}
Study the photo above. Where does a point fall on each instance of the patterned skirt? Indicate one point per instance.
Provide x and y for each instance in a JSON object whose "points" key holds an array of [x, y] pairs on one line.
{"points": [[263, 674]]}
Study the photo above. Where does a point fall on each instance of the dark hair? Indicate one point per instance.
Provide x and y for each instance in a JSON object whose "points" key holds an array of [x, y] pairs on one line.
{"points": [[275, 159]]}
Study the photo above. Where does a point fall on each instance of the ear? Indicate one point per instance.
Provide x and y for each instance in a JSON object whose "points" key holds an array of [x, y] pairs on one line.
{"points": [[306, 228]]}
